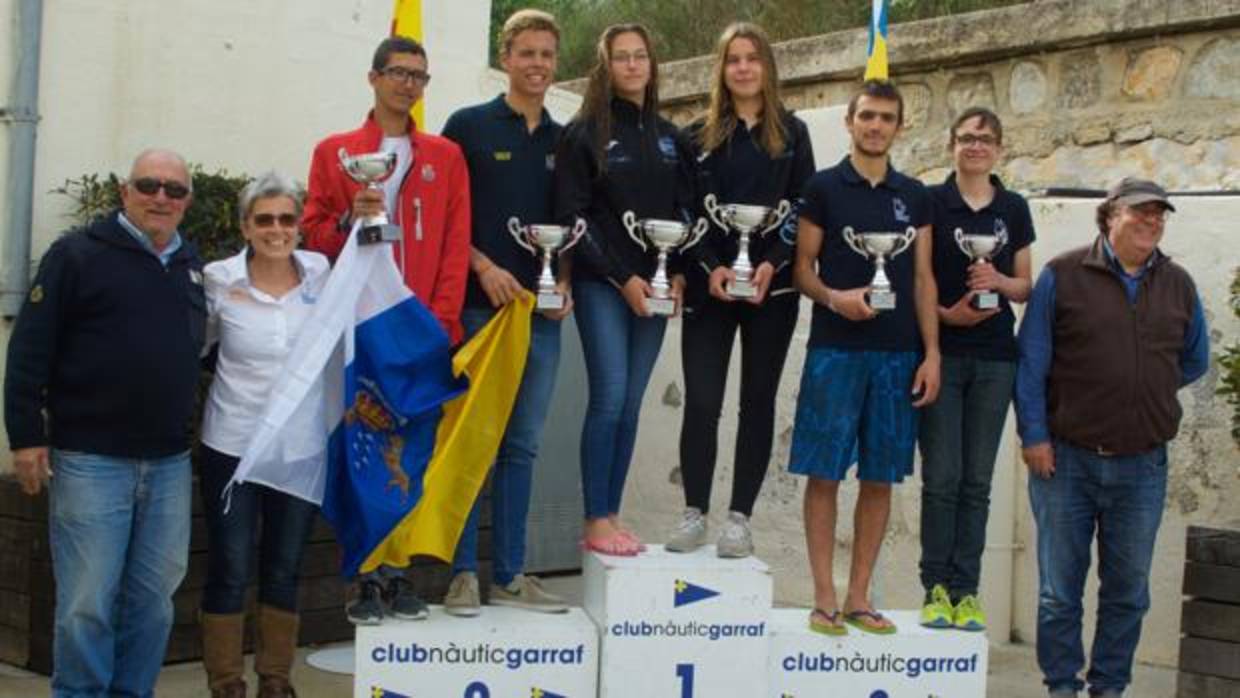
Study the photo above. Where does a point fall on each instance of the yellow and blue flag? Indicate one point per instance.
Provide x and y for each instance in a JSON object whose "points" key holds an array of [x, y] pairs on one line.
{"points": [[543, 693], [407, 21], [876, 55], [376, 692]]}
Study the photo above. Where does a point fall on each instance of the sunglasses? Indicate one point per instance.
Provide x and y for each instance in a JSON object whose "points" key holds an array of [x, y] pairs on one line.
{"points": [[266, 220], [150, 186]]}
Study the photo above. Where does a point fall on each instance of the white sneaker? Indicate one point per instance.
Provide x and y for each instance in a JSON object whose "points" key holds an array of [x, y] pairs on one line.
{"points": [[735, 540], [689, 534]]}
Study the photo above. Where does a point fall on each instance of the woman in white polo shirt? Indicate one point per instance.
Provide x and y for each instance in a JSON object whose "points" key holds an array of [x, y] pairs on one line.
{"points": [[257, 302]]}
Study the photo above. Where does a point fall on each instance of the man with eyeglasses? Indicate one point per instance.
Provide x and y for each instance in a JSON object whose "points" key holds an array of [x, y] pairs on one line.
{"points": [[427, 196], [1112, 331], [102, 371]]}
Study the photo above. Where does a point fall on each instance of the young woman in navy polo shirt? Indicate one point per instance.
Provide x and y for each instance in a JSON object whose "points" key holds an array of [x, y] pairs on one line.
{"points": [[751, 151], [960, 432], [618, 155]]}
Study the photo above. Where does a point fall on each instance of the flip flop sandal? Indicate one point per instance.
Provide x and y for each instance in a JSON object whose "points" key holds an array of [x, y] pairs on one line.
{"points": [[869, 622], [827, 623], [615, 545], [632, 537]]}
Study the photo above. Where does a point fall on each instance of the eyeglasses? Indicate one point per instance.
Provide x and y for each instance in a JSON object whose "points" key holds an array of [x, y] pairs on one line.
{"points": [[150, 186], [635, 57], [399, 74], [968, 139], [266, 220], [1151, 211]]}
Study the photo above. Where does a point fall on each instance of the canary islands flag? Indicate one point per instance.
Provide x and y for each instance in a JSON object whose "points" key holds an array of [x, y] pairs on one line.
{"points": [[397, 444], [876, 56]]}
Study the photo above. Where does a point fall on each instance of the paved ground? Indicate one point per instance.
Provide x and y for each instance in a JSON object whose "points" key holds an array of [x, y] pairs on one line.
{"points": [[1013, 673]]}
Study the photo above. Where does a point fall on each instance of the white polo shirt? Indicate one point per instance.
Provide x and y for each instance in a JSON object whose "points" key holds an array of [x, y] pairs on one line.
{"points": [[256, 332]]}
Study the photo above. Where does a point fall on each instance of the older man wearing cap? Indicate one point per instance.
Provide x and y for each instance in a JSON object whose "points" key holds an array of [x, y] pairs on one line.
{"points": [[1112, 331]]}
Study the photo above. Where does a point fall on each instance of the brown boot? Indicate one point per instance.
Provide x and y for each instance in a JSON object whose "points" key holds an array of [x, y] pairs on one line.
{"points": [[223, 635], [273, 657]]}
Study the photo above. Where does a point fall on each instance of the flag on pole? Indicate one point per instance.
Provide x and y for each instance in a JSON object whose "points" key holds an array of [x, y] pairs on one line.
{"points": [[407, 21], [876, 56]]}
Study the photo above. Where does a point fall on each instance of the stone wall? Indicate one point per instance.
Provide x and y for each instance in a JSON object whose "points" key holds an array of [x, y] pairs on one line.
{"points": [[1086, 90]]}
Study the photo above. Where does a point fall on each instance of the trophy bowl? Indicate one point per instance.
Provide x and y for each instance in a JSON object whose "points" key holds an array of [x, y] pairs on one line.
{"points": [[979, 248], [745, 220], [371, 169], [664, 236], [546, 241], [880, 245]]}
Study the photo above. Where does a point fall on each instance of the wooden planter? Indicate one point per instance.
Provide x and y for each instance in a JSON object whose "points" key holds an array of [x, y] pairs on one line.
{"points": [[1210, 620]]}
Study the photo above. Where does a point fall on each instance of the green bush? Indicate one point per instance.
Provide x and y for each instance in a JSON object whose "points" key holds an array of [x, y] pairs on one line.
{"points": [[1229, 360], [210, 223]]}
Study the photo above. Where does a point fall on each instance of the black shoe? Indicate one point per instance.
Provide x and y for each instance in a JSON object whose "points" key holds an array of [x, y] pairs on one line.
{"points": [[367, 608], [402, 602]]}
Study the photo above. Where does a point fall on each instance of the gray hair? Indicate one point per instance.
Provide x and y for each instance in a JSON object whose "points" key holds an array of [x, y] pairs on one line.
{"points": [[161, 154], [268, 185]]}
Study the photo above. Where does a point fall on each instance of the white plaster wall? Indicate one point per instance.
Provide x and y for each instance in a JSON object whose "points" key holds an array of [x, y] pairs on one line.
{"points": [[1204, 487]]}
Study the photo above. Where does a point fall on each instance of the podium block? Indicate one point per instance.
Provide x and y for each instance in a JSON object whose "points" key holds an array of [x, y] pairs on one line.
{"points": [[503, 652], [680, 625], [915, 662]]}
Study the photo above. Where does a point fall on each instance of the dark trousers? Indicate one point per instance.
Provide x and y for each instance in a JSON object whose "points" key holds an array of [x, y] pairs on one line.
{"points": [[706, 349], [286, 523]]}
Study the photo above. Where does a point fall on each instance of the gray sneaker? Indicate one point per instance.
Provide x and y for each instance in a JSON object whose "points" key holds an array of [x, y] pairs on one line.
{"points": [[735, 540], [528, 593], [689, 534], [462, 598]]}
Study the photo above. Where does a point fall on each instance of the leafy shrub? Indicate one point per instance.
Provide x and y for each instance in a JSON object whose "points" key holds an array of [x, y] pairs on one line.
{"points": [[1229, 360]]}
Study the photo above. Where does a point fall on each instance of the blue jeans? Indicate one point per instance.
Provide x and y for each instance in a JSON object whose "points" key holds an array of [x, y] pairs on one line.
{"points": [[119, 530], [230, 538], [620, 349], [960, 436], [1121, 500], [514, 463]]}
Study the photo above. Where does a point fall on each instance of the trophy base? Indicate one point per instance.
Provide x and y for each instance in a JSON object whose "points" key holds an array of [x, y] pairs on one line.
{"points": [[987, 300], [549, 301], [742, 289], [380, 232], [661, 306], [881, 300]]}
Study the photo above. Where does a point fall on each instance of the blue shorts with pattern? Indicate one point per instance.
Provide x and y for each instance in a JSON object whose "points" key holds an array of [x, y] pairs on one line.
{"points": [[855, 407]]}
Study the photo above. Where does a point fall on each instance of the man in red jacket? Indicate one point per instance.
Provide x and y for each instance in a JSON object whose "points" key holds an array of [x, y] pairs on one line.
{"points": [[428, 198], [427, 195]]}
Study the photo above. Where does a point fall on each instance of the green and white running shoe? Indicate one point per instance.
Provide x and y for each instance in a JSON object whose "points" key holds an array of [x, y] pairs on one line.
{"points": [[969, 614], [938, 612]]}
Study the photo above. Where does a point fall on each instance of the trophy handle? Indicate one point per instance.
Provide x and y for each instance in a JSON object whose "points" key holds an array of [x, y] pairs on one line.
{"points": [[629, 219], [518, 234], [574, 236], [778, 214], [850, 237], [910, 234], [695, 234], [715, 211]]}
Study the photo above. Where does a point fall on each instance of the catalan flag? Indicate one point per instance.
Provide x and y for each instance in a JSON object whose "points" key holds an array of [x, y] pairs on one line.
{"points": [[876, 56]]}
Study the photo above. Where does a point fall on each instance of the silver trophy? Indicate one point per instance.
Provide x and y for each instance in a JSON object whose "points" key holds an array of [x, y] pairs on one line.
{"points": [[551, 240], [745, 220], [665, 236], [980, 248], [372, 169], [880, 246]]}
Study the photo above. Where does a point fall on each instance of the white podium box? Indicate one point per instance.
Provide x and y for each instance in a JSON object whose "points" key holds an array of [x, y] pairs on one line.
{"points": [[503, 652], [915, 662], [680, 625]]}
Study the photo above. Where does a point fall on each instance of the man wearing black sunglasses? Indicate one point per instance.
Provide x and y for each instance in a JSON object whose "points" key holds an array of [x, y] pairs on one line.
{"points": [[102, 371]]}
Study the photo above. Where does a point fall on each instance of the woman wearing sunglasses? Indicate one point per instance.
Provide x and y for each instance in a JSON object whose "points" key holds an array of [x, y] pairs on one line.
{"points": [[257, 301], [753, 152], [618, 155]]}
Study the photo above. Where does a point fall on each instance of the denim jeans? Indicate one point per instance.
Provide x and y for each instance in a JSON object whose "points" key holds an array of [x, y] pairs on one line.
{"points": [[1120, 499], [119, 530], [960, 436], [230, 538], [514, 463], [620, 349]]}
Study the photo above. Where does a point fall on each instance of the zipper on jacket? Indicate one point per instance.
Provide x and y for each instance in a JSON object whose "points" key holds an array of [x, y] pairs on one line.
{"points": [[417, 224]]}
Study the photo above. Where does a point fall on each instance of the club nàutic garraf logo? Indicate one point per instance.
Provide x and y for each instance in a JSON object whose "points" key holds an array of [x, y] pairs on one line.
{"points": [[685, 594], [377, 692], [544, 693]]}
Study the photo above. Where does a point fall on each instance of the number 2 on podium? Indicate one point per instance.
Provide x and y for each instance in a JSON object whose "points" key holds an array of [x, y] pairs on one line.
{"points": [[685, 673]]}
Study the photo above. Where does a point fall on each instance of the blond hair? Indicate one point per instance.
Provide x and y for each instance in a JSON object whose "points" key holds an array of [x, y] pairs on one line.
{"points": [[527, 20]]}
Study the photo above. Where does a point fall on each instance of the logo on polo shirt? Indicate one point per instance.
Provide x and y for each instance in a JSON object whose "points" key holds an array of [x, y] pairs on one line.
{"points": [[1001, 230], [667, 146], [195, 276], [550, 162], [900, 209], [503, 155]]}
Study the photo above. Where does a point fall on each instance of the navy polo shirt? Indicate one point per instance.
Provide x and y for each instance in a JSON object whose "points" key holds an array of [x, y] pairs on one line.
{"points": [[837, 197], [510, 174], [993, 338]]}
